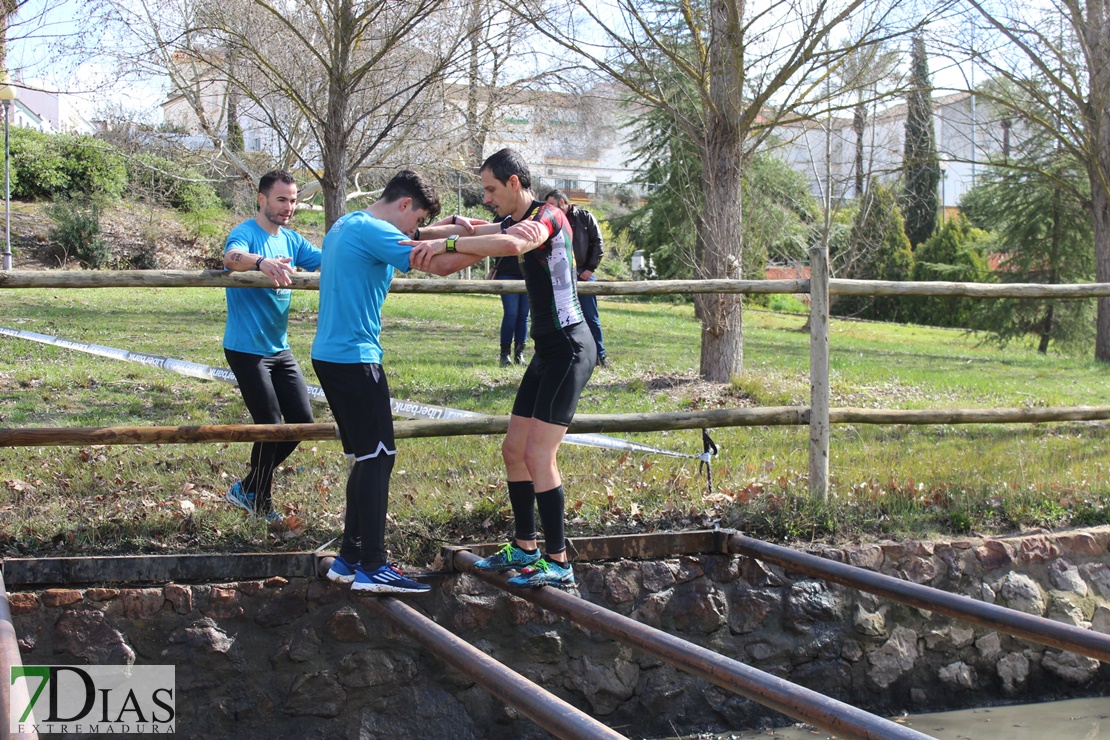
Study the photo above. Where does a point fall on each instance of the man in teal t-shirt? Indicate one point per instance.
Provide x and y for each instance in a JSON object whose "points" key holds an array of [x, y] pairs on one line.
{"points": [[255, 341]]}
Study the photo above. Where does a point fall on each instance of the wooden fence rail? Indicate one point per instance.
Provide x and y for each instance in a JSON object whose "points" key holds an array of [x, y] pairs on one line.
{"points": [[582, 424], [311, 281], [822, 287]]}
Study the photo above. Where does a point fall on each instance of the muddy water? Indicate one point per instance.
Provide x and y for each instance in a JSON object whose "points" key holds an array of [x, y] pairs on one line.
{"points": [[1075, 719]]}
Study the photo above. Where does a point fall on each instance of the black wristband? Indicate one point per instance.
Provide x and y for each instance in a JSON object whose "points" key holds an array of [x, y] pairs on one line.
{"points": [[258, 265], [416, 235], [454, 218]]}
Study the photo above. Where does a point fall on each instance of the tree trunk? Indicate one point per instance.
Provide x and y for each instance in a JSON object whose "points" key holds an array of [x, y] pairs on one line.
{"points": [[1100, 203], [333, 181], [1046, 331], [475, 136], [1094, 34], [859, 121], [719, 242]]}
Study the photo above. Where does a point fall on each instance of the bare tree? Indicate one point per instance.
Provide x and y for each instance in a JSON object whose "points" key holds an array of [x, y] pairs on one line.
{"points": [[1050, 79], [743, 70], [343, 85]]}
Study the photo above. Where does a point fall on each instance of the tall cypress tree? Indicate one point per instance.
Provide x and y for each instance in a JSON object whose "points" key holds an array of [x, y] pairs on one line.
{"points": [[920, 166]]}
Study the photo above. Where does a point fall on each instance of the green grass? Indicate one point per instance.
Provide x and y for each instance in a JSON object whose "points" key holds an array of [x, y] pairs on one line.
{"points": [[887, 481]]}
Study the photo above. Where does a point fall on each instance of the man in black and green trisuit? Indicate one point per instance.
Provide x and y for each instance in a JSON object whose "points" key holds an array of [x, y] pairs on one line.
{"points": [[565, 355]]}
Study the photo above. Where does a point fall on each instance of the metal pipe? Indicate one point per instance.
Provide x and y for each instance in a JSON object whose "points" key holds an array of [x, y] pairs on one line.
{"points": [[792, 700], [1026, 626], [9, 658], [548, 711]]}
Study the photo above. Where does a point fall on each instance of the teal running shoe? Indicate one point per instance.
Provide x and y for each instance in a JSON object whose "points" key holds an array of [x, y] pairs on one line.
{"points": [[238, 497], [544, 572], [507, 557]]}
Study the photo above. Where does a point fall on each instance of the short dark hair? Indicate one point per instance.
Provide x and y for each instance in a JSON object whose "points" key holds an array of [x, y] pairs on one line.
{"points": [[506, 163], [409, 184], [266, 182], [557, 195]]}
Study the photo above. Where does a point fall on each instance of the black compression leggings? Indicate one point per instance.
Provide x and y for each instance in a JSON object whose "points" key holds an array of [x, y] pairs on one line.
{"points": [[274, 390]]}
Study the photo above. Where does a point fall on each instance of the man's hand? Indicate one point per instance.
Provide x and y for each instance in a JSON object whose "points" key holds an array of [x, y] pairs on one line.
{"points": [[422, 252], [585, 274], [466, 225], [530, 231], [277, 269]]}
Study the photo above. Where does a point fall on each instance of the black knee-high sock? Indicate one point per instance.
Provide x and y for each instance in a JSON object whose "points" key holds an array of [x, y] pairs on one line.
{"points": [[550, 504], [522, 496]]}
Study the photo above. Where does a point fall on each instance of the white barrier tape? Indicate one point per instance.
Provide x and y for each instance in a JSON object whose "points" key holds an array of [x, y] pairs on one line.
{"points": [[407, 409]]}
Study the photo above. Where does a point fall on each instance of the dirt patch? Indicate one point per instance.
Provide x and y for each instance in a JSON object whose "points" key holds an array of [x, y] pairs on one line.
{"points": [[698, 393], [138, 237]]}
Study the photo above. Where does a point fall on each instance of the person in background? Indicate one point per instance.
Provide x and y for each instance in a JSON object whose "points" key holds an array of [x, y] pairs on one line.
{"points": [[514, 312], [589, 248], [256, 344]]}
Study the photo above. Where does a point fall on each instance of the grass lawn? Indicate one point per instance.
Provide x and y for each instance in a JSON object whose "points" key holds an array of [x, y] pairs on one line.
{"points": [[886, 481]]}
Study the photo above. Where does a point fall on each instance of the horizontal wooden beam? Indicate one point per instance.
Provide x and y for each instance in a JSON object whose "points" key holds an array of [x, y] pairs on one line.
{"points": [[311, 281], [582, 424]]}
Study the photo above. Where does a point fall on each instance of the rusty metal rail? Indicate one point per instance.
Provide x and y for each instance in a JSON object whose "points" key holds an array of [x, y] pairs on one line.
{"points": [[1026, 626], [9, 657], [546, 710], [792, 700]]}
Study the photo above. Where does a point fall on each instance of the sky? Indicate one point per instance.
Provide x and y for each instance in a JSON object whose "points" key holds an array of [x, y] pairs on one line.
{"points": [[39, 53]]}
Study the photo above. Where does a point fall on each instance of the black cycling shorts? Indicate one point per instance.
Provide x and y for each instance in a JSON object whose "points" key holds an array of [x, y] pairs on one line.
{"points": [[359, 398], [555, 377]]}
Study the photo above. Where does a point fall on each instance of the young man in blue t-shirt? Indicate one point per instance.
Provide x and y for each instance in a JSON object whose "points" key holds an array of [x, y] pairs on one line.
{"points": [[361, 252], [255, 336]]}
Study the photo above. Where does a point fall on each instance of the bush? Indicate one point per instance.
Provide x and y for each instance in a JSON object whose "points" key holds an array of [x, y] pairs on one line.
{"points": [[954, 253], [77, 231], [37, 164], [51, 165], [878, 236], [163, 180]]}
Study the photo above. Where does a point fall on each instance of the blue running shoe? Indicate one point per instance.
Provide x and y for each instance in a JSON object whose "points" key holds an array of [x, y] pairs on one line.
{"points": [[508, 556], [341, 571], [386, 580], [272, 517], [238, 497], [544, 572]]}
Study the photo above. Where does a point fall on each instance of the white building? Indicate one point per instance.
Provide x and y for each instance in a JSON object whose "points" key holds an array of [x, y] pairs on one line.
{"points": [[967, 136], [575, 142], [57, 112]]}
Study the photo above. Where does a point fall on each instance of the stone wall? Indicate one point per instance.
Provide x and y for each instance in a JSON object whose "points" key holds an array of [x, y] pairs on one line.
{"points": [[304, 659]]}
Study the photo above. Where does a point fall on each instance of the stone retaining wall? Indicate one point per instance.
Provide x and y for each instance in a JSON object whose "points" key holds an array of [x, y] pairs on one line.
{"points": [[304, 659]]}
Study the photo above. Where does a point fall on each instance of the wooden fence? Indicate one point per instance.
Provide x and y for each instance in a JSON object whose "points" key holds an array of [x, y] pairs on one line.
{"points": [[818, 416]]}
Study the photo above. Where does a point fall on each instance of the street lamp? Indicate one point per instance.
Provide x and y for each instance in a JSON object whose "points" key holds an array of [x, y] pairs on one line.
{"points": [[7, 95]]}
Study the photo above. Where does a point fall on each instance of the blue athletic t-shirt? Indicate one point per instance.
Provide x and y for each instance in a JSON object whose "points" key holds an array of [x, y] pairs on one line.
{"points": [[258, 318], [360, 253]]}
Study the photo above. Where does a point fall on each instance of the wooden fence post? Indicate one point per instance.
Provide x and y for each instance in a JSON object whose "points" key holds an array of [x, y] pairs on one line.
{"points": [[819, 373]]}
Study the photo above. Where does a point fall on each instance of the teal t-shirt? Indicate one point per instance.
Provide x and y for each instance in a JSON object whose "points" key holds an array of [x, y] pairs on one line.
{"points": [[360, 254], [258, 318]]}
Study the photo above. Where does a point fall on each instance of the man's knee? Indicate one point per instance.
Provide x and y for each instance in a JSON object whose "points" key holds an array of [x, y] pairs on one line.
{"points": [[538, 457], [512, 450]]}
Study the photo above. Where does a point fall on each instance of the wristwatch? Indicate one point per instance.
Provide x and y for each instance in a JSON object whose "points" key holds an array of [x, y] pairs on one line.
{"points": [[451, 242]]}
